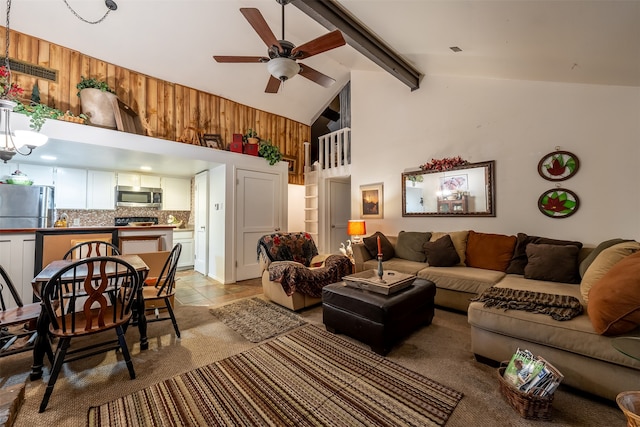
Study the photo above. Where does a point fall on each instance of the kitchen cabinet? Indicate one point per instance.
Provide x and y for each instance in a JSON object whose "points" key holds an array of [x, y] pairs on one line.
{"points": [[138, 180], [101, 190], [176, 194], [187, 255], [17, 252], [71, 188]]}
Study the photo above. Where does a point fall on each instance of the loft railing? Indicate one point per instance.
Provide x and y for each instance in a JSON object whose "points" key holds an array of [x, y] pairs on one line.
{"points": [[334, 150]]}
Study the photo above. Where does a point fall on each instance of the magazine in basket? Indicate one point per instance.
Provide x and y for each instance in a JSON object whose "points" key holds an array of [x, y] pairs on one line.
{"points": [[392, 281], [532, 374]]}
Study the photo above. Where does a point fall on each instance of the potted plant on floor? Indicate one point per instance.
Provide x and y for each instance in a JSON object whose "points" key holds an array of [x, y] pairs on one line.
{"points": [[98, 101]]}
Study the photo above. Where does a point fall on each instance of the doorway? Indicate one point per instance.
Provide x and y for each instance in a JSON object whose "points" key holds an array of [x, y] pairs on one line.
{"points": [[201, 220], [339, 198]]}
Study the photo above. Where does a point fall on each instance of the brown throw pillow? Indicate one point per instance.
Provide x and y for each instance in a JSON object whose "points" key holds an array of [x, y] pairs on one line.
{"points": [[603, 263], [371, 243], [519, 259], [614, 300], [409, 245], [459, 239], [553, 263], [489, 251], [441, 253]]}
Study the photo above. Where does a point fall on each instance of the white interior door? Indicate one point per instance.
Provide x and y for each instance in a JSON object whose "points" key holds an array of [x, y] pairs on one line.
{"points": [[201, 209], [339, 212], [259, 212]]}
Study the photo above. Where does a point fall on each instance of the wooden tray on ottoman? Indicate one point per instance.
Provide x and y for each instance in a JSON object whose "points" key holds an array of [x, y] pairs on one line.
{"points": [[392, 281]]}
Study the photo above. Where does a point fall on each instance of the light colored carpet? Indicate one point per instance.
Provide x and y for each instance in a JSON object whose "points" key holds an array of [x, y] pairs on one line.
{"points": [[307, 377], [256, 319], [440, 351]]}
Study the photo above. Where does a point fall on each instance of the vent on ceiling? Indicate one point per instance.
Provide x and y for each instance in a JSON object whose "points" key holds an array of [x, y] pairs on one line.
{"points": [[32, 70]]}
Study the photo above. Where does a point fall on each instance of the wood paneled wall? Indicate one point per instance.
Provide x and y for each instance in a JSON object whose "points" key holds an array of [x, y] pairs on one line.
{"points": [[166, 110]]}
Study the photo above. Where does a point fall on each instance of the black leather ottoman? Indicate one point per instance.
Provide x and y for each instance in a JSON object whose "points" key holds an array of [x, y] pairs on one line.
{"points": [[376, 319]]}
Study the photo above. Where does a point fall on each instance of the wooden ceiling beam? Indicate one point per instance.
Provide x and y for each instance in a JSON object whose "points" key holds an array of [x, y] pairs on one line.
{"points": [[333, 16]]}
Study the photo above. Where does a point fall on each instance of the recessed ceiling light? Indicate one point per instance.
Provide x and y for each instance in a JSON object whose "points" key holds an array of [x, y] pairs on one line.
{"points": [[45, 157], [145, 168], [455, 49]]}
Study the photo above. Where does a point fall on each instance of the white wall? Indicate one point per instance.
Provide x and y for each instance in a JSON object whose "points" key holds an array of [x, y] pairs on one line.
{"points": [[296, 208], [514, 123]]}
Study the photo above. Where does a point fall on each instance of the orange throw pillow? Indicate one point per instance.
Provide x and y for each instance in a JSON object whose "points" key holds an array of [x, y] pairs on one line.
{"points": [[614, 300], [489, 251]]}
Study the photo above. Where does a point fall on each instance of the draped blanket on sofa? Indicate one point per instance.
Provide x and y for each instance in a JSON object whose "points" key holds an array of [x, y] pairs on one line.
{"points": [[559, 307], [296, 277]]}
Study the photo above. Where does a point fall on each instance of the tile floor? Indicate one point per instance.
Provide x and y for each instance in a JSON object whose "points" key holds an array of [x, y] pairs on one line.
{"points": [[193, 288]]}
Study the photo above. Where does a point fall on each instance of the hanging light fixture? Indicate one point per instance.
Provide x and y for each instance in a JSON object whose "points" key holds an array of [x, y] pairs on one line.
{"points": [[14, 142]]}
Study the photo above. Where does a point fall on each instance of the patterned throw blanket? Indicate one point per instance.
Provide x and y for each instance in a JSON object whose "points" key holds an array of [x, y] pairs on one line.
{"points": [[298, 247], [296, 277], [559, 307]]}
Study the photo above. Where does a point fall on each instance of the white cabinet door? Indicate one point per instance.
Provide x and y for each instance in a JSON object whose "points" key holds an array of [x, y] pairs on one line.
{"points": [[137, 180], [150, 181], [187, 256], [101, 190], [40, 175], [176, 194], [71, 188]]}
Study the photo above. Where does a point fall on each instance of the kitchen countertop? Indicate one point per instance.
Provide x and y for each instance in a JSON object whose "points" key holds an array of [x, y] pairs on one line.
{"points": [[91, 228]]}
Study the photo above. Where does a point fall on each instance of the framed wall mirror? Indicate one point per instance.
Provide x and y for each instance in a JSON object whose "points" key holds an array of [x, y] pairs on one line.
{"points": [[467, 190]]}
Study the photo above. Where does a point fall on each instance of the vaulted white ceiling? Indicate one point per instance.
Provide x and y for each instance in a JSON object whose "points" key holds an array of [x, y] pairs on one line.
{"points": [[573, 41]]}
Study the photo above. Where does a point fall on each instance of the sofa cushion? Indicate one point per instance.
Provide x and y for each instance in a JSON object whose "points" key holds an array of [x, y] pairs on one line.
{"points": [[459, 239], [614, 300], [441, 253], [554, 263], [371, 243], [586, 262], [519, 259], [489, 251], [462, 279], [603, 263], [409, 245]]}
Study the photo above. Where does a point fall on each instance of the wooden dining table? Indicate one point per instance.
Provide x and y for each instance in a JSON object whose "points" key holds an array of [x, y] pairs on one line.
{"points": [[42, 345]]}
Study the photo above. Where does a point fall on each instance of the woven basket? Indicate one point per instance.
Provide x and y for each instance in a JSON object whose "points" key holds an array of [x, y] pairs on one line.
{"points": [[528, 406], [629, 402]]}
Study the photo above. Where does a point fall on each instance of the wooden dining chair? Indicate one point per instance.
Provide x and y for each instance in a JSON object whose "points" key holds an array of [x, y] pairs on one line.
{"points": [[17, 324], [88, 297], [91, 248], [159, 291]]}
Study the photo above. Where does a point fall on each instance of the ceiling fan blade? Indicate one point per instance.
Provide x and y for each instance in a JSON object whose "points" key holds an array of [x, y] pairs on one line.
{"points": [[256, 59], [261, 27], [315, 76], [321, 44], [272, 85]]}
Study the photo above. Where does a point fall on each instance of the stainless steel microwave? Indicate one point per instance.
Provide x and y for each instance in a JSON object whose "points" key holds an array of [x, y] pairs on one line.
{"points": [[138, 197]]}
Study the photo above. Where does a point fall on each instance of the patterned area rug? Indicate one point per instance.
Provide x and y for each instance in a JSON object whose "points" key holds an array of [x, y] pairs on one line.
{"points": [[256, 319], [304, 378]]}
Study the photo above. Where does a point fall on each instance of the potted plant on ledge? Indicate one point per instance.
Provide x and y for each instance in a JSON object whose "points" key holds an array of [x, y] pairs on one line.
{"points": [[269, 152], [98, 101]]}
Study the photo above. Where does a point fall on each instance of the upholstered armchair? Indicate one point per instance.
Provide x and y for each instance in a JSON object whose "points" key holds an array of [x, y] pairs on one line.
{"points": [[293, 273]]}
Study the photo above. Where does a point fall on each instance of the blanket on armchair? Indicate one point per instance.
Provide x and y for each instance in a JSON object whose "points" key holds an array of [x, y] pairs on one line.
{"points": [[298, 247], [296, 277], [559, 307]]}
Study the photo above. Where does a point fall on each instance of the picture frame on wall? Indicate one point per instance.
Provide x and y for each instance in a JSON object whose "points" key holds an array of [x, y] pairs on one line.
{"points": [[291, 164], [212, 140], [372, 201]]}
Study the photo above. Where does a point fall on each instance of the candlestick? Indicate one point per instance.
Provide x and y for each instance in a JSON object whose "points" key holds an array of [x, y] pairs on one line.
{"points": [[380, 271], [379, 247]]}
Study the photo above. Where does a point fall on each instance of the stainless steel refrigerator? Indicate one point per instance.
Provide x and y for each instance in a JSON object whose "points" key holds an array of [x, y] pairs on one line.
{"points": [[26, 206]]}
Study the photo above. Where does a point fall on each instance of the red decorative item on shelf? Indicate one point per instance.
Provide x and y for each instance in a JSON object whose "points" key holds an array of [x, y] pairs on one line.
{"points": [[251, 149], [237, 137], [236, 146]]}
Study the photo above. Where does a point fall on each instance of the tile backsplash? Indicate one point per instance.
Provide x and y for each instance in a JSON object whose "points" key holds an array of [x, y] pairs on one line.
{"points": [[105, 218]]}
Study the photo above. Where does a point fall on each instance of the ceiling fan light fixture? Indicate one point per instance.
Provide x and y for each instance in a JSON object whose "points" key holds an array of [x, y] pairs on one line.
{"points": [[283, 68]]}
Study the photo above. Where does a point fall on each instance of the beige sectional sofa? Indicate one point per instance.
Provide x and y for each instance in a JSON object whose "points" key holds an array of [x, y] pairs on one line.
{"points": [[587, 358]]}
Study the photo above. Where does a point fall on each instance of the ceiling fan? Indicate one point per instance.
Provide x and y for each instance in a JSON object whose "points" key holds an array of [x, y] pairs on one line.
{"points": [[283, 55]]}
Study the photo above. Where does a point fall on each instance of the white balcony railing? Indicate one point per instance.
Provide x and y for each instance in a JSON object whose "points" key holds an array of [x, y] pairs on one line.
{"points": [[335, 150]]}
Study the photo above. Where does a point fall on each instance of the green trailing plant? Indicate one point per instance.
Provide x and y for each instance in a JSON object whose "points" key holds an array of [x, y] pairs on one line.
{"points": [[269, 152], [38, 113], [92, 83]]}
